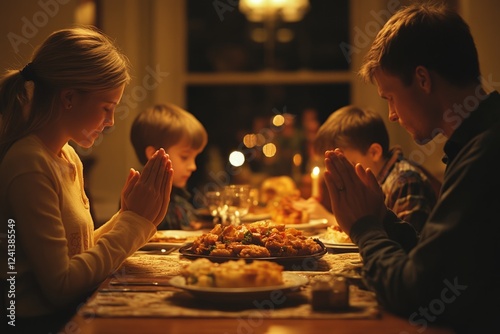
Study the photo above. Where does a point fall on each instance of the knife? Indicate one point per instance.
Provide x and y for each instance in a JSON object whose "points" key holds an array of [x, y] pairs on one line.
{"points": [[127, 290], [138, 283]]}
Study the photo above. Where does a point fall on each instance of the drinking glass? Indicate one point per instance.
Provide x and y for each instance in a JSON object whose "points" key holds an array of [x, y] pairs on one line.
{"points": [[254, 197], [213, 202], [236, 202]]}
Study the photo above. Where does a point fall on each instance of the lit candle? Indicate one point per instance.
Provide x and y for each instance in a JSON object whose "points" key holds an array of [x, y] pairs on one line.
{"points": [[315, 182]]}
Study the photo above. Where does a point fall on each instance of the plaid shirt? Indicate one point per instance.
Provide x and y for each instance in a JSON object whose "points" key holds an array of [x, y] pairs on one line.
{"points": [[408, 191], [180, 211]]}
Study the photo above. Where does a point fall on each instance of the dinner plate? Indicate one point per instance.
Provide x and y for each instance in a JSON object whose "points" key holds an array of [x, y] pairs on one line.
{"points": [[284, 260], [291, 282], [253, 217], [313, 223], [176, 238], [344, 246]]}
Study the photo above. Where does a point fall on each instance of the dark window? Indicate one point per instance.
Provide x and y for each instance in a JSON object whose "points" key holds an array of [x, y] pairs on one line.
{"points": [[218, 44], [232, 43], [228, 112]]}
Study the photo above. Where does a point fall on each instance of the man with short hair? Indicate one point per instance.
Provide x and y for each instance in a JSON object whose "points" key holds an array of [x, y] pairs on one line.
{"points": [[425, 64]]}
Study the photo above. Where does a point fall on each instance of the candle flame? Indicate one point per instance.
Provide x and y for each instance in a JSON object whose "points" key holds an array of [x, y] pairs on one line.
{"points": [[315, 171]]}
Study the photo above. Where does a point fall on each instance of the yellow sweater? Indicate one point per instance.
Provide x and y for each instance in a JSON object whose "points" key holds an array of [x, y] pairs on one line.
{"points": [[59, 257]]}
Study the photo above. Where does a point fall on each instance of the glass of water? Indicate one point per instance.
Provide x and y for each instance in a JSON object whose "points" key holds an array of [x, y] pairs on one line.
{"points": [[236, 202], [214, 204]]}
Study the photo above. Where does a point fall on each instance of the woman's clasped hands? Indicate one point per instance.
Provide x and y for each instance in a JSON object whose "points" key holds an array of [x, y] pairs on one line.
{"points": [[148, 194], [354, 191]]}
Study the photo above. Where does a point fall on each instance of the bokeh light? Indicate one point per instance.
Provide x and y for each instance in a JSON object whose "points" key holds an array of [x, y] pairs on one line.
{"points": [[297, 159], [250, 140], [269, 150], [236, 158], [278, 120]]}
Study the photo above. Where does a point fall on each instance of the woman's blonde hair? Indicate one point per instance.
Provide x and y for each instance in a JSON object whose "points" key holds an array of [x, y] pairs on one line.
{"points": [[80, 58], [163, 126]]}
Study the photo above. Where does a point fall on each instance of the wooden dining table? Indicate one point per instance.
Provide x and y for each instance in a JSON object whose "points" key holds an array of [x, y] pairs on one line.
{"points": [[387, 324], [138, 298]]}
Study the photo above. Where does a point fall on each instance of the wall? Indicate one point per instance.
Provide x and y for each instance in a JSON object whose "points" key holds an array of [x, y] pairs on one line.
{"points": [[483, 18], [24, 27]]}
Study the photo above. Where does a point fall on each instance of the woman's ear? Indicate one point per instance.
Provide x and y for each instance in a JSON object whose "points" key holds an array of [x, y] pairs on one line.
{"points": [[67, 97], [423, 78], [149, 151]]}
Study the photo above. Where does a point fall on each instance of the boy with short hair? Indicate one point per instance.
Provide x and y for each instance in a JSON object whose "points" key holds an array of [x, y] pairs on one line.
{"points": [[180, 134], [363, 137]]}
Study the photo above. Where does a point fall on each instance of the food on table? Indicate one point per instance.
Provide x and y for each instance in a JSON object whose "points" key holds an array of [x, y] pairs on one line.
{"points": [[286, 213], [274, 188], [253, 240], [334, 234], [233, 274]]}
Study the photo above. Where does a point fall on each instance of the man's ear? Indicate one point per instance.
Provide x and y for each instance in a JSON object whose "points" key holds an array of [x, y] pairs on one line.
{"points": [[67, 98], [423, 78], [375, 152], [149, 151]]}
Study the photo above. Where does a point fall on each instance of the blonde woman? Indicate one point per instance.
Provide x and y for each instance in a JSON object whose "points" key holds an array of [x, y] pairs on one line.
{"points": [[69, 91]]}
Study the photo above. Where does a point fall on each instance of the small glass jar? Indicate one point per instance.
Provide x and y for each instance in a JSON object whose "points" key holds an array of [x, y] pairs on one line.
{"points": [[321, 294], [330, 293], [340, 296]]}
